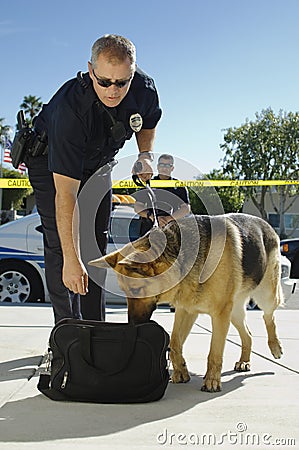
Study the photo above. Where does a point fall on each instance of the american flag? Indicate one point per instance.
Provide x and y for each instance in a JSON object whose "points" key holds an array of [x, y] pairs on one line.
{"points": [[7, 158], [7, 148], [22, 169]]}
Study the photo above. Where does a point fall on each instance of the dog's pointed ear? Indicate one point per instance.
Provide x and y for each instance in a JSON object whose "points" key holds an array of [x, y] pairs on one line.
{"points": [[130, 260], [112, 259], [109, 260], [136, 258]]}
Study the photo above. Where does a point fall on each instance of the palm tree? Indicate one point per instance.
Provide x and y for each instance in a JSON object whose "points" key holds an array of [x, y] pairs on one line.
{"points": [[4, 134], [4, 129], [31, 106]]}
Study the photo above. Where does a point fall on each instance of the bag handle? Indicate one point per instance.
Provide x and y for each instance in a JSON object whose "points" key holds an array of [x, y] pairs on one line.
{"points": [[128, 341]]}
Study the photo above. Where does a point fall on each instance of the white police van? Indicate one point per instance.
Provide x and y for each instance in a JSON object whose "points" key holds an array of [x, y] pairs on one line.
{"points": [[22, 276]]}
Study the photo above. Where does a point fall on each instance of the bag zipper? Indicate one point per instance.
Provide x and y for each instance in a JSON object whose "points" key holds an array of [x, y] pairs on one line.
{"points": [[64, 381]]}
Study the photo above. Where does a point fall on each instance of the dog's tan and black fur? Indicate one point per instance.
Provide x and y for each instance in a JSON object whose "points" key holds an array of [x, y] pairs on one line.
{"points": [[204, 264]]}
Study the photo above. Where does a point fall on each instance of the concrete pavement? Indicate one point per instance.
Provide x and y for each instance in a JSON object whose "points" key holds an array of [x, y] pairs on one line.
{"points": [[256, 409]]}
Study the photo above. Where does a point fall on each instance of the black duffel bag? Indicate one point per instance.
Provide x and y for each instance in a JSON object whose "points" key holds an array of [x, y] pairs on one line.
{"points": [[102, 362]]}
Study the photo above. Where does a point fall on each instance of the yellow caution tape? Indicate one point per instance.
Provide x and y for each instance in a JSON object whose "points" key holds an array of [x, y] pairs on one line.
{"points": [[17, 183], [24, 183], [126, 184]]}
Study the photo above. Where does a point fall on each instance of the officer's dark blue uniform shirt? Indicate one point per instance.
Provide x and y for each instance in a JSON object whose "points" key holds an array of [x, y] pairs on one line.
{"points": [[78, 126], [171, 198]]}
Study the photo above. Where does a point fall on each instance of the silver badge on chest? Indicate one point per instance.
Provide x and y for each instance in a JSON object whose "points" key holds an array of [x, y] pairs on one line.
{"points": [[136, 122]]}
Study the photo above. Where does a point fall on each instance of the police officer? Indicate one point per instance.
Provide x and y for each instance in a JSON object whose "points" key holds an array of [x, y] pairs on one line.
{"points": [[86, 123], [171, 203]]}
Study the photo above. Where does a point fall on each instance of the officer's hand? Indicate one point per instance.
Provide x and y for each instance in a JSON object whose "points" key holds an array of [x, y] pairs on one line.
{"points": [[74, 276], [143, 168]]}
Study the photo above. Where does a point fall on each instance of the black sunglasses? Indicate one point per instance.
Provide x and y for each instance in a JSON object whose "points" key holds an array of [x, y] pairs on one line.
{"points": [[107, 83], [164, 165]]}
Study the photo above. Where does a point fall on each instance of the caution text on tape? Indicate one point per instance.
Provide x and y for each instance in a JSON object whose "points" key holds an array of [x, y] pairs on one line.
{"points": [[24, 183], [129, 184]]}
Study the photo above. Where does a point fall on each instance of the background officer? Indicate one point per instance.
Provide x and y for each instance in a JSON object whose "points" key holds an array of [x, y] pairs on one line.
{"points": [[86, 123], [172, 203]]}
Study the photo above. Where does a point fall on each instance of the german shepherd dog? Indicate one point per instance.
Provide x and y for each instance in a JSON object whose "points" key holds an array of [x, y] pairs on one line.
{"points": [[204, 264]]}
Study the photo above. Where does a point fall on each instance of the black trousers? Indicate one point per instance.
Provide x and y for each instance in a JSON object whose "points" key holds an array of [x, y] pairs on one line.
{"points": [[94, 200]]}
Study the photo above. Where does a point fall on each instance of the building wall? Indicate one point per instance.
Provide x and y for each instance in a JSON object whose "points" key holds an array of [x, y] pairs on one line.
{"points": [[292, 213]]}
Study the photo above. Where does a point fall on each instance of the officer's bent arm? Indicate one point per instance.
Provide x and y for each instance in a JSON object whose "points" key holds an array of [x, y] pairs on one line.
{"points": [[145, 139], [74, 274]]}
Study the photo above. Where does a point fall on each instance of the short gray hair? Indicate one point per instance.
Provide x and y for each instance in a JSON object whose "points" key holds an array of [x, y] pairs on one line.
{"points": [[166, 156], [116, 48]]}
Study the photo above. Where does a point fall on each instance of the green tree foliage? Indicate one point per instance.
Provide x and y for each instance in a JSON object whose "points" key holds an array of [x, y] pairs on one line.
{"points": [[13, 198], [206, 200], [31, 106], [265, 149]]}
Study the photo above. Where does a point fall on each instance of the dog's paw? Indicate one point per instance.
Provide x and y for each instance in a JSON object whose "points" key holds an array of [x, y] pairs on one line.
{"points": [[211, 385], [180, 376], [276, 348], [242, 366]]}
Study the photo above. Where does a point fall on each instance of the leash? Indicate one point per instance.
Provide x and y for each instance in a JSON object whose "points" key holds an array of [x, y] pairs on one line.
{"points": [[150, 192]]}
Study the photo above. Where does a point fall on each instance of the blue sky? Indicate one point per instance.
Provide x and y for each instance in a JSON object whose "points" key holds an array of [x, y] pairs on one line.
{"points": [[215, 62]]}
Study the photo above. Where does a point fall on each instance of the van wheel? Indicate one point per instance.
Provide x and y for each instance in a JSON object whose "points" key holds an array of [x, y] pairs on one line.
{"points": [[20, 283]]}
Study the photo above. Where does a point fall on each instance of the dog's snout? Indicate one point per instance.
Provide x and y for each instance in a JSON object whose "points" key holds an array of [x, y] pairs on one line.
{"points": [[140, 311]]}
